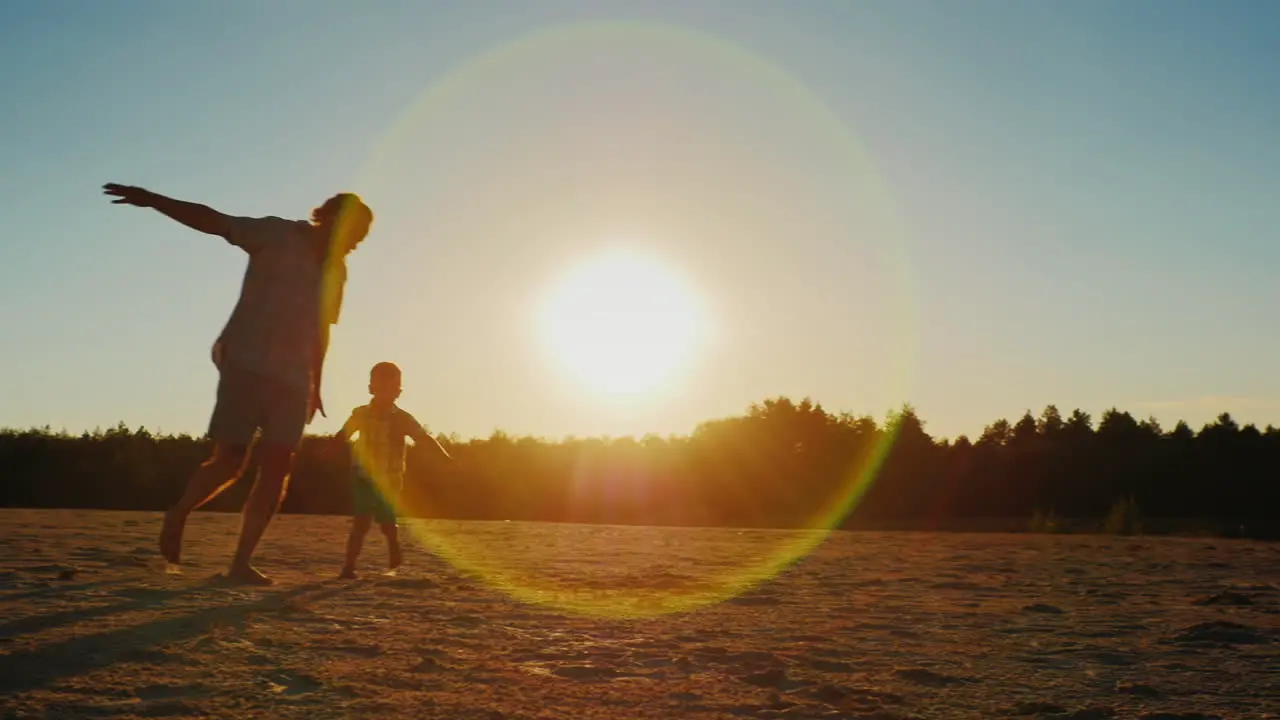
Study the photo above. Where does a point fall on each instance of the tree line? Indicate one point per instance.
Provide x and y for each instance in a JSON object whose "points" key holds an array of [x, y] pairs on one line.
{"points": [[781, 464]]}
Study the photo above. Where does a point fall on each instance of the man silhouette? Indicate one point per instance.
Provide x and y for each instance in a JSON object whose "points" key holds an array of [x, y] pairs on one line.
{"points": [[269, 355]]}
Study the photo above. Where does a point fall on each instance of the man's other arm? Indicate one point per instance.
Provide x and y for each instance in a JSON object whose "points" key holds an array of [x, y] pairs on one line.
{"points": [[317, 370]]}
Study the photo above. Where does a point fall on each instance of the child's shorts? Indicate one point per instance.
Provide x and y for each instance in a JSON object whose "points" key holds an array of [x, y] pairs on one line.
{"points": [[368, 499]]}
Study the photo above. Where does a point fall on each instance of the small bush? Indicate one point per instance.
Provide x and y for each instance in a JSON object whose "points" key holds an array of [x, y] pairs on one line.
{"points": [[1123, 519], [1044, 522]]}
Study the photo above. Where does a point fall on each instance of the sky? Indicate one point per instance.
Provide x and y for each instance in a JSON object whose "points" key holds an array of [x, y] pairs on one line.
{"points": [[979, 208]]}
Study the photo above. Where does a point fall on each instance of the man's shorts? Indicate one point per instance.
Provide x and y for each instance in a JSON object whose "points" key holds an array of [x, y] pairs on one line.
{"points": [[249, 402], [368, 499]]}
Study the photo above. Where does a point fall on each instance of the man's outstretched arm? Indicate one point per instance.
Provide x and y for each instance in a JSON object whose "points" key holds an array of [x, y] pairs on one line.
{"points": [[194, 215]]}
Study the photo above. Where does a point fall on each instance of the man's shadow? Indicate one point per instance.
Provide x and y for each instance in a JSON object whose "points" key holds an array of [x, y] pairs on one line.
{"points": [[28, 670], [136, 599]]}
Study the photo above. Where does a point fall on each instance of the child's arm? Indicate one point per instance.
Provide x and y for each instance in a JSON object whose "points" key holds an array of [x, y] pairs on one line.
{"points": [[421, 438], [349, 428]]}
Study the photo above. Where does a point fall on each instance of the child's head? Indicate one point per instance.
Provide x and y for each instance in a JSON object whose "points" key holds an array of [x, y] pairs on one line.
{"points": [[384, 382]]}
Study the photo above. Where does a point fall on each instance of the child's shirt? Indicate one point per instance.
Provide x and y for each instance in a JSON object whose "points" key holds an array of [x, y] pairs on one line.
{"points": [[378, 453]]}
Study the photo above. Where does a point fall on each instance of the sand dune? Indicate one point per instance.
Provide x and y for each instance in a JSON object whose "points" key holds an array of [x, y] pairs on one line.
{"points": [[871, 625]]}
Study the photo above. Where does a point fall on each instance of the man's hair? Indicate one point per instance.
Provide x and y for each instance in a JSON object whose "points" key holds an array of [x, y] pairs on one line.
{"points": [[385, 371], [350, 217]]}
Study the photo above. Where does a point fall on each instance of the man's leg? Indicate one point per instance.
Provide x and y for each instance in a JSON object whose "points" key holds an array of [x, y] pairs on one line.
{"points": [[212, 477], [359, 528], [284, 420], [231, 427], [262, 504]]}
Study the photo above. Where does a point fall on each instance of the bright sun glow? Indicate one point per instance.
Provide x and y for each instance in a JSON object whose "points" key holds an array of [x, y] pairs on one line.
{"points": [[622, 324]]}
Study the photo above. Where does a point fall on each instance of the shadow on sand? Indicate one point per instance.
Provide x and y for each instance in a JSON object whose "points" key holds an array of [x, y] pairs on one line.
{"points": [[56, 589], [28, 670], [138, 599]]}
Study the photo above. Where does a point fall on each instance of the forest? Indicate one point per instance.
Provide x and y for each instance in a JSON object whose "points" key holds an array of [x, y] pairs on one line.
{"points": [[780, 464]]}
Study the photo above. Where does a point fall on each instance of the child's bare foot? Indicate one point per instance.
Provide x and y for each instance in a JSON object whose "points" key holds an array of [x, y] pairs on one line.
{"points": [[171, 536], [247, 575], [395, 558]]}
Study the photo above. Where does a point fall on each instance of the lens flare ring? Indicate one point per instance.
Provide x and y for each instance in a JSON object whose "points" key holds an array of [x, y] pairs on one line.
{"points": [[459, 544]]}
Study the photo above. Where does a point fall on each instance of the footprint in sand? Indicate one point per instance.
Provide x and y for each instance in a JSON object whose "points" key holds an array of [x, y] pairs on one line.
{"points": [[1033, 708], [60, 572], [928, 678], [830, 666], [585, 672], [1092, 713], [1219, 633], [1113, 659], [355, 649], [1232, 599], [410, 584], [428, 664], [774, 678], [843, 696], [1138, 689], [170, 700], [288, 684], [961, 585], [169, 692], [808, 639], [754, 601], [755, 658], [654, 662], [154, 656]]}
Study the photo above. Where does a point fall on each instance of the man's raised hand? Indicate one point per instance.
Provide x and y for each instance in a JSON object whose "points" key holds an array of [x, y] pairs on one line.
{"points": [[128, 195]]}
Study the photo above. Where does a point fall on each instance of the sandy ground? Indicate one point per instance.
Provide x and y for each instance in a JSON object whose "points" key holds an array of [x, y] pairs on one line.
{"points": [[871, 625]]}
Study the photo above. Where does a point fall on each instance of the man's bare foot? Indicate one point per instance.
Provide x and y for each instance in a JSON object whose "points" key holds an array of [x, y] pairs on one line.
{"points": [[395, 557], [171, 536], [247, 575], [347, 574]]}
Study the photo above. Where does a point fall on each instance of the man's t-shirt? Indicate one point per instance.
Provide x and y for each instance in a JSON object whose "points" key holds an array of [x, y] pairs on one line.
{"points": [[378, 452], [286, 293]]}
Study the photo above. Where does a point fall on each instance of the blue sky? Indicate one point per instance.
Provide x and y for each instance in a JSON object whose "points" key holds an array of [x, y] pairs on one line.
{"points": [[978, 207]]}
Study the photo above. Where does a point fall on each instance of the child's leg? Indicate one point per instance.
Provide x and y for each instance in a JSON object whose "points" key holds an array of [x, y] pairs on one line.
{"points": [[392, 534], [384, 513], [359, 528]]}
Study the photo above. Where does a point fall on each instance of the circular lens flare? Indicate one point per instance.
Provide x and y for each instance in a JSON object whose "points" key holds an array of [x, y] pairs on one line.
{"points": [[621, 319]]}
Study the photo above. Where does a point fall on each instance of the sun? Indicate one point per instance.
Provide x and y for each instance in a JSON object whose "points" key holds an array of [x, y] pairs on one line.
{"points": [[622, 323]]}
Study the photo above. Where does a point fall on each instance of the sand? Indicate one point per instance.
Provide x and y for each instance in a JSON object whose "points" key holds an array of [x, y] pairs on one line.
{"points": [[870, 625]]}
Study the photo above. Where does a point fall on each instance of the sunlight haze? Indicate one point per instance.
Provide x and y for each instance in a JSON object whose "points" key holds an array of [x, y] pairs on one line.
{"points": [[622, 324], [979, 208]]}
